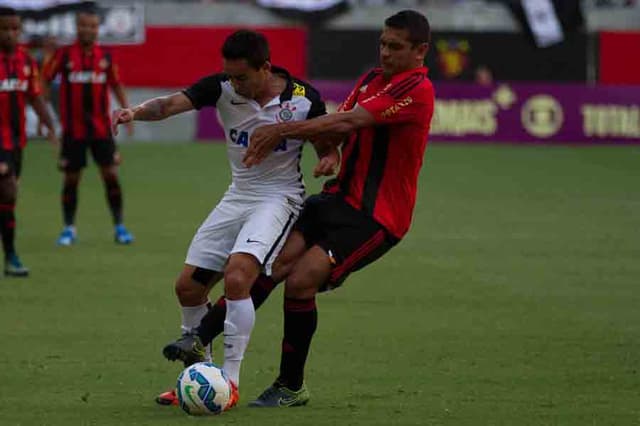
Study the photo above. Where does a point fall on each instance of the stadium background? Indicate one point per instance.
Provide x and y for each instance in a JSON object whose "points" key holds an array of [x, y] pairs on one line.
{"points": [[513, 300], [473, 41]]}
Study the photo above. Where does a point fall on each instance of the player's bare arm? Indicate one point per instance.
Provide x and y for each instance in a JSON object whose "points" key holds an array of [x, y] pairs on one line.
{"points": [[121, 97], [265, 139], [152, 110], [42, 111], [328, 155]]}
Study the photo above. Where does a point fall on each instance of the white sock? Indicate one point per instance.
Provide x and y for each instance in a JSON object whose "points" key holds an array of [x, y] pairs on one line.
{"points": [[238, 324], [191, 317]]}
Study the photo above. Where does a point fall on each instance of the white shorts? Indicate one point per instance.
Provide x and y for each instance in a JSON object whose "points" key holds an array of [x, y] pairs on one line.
{"points": [[257, 226]]}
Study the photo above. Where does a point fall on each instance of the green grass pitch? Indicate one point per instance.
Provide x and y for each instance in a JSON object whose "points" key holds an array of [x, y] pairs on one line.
{"points": [[514, 300]]}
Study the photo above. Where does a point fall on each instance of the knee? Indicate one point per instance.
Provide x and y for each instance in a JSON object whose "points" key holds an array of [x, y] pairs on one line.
{"points": [[5, 169], [71, 180], [300, 286], [189, 292], [8, 190], [109, 174], [237, 283]]}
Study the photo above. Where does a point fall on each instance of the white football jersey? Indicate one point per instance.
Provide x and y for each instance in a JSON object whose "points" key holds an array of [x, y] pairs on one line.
{"points": [[280, 172]]}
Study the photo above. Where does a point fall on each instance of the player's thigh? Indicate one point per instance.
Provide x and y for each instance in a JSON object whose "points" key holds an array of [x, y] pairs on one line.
{"points": [[212, 244], [265, 230], [103, 152], [73, 155], [294, 248], [17, 163]]}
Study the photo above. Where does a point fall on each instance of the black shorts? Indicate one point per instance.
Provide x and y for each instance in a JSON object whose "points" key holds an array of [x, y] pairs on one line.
{"points": [[74, 152], [350, 237], [13, 160]]}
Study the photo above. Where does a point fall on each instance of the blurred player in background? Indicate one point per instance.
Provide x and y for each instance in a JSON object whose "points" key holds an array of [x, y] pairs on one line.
{"points": [[87, 72], [19, 84], [245, 232]]}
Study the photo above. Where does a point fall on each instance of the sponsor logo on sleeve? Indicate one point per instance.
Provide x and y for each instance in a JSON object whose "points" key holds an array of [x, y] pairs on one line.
{"points": [[395, 108]]}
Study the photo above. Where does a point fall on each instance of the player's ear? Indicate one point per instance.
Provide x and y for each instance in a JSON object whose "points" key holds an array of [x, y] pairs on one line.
{"points": [[266, 66], [422, 49]]}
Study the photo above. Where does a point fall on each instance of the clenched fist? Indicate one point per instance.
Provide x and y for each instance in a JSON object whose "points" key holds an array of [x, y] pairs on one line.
{"points": [[120, 116]]}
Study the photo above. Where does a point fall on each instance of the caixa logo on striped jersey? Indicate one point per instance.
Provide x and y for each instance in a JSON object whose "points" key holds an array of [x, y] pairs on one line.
{"points": [[241, 137], [87, 77], [13, 85]]}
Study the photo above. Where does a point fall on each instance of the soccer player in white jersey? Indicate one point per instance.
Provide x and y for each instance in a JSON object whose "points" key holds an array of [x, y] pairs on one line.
{"points": [[244, 233]]}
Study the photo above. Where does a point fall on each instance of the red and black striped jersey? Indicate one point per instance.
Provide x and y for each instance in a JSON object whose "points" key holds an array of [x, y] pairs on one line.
{"points": [[85, 79], [381, 163], [19, 82]]}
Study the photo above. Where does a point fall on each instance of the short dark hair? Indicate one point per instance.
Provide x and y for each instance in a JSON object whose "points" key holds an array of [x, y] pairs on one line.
{"points": [[415, 22], [8, 11], [89, 8], [249, 45]]}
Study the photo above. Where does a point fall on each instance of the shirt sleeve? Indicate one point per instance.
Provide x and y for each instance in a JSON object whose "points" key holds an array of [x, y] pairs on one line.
{"points": [[318, 107], [52, 66], [205, 92], [34, 89], [398, 105]]}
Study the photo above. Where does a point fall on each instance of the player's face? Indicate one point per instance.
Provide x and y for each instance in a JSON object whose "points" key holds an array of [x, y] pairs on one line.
{"points": [[246, 80], [87, 26], [10, 29], [397, 53]]}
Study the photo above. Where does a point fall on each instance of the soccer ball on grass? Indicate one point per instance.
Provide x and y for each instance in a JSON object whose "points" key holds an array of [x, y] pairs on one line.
{"points": [[203, 389]]}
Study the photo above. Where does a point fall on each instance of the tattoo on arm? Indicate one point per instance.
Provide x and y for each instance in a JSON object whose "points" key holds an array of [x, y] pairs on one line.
{"points": [[151, 110]]}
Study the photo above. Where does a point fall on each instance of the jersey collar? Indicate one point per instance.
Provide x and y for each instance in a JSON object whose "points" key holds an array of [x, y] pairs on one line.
{"points": [[81, 49], [401, 76]]}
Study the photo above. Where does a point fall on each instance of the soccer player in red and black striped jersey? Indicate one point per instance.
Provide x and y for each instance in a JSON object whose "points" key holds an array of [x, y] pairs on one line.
{"points": [[365, 211], [19, 84], [87, 72]]}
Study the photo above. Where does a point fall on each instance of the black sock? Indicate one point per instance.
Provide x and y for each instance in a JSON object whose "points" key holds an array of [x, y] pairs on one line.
{"points": [[8, 228], [69, 202], [300, 322], [114, 198], [212, 324], [261, 289]]}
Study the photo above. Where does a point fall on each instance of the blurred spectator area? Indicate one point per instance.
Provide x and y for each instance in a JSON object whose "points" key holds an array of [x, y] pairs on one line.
{"points": [[462, 15], [473, 39]]}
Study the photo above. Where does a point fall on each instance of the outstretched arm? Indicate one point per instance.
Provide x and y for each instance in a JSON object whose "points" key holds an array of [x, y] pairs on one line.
{"points": [[265, 139], [343, 122], [152, 110], [37, 102], [121, 97], [328, 152]]}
